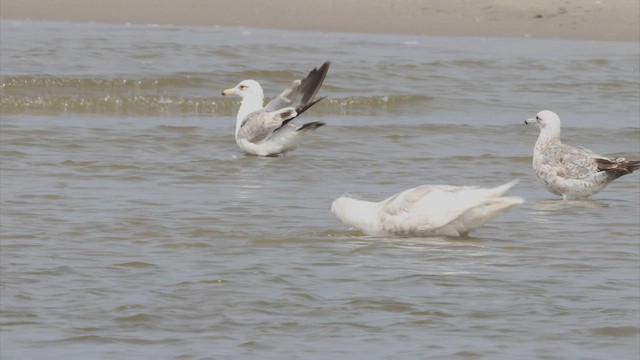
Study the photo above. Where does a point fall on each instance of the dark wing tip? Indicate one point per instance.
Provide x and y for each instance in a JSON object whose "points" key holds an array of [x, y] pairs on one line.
{"points": [[312, 83], [633, 165], [311, 126], [617, 168], [325, 66], [302, 108]]}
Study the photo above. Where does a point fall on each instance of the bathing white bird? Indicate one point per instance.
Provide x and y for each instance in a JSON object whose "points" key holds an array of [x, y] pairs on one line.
{"points": [[428, 210], [572, 172], [268, 131]]}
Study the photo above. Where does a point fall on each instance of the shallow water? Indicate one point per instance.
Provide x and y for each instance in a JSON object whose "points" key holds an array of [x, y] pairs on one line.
{"points": [[133, 227]]}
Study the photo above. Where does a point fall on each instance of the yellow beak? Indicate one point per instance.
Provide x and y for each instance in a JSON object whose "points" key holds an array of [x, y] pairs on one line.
{"points": [[228, 92]]}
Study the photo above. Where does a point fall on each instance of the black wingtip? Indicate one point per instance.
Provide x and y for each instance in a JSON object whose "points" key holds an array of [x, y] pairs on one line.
{"points": [[633, 165], [312, 83], [302, 108], [311, 126], [617, 168]]}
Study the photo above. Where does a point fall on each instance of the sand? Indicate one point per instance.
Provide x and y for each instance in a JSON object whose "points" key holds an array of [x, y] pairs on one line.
{"points": [[562, 19]]}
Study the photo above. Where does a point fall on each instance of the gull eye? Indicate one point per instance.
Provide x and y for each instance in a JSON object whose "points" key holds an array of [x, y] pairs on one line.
{"points": [[537, 117], [242, 87]]}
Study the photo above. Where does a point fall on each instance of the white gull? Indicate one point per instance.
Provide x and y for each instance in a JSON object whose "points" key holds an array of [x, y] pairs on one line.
{"points": [[572, 172], [428, 210], [268, 131]]}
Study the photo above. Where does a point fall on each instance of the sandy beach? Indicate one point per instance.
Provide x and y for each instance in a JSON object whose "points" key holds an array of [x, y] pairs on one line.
{"points": [[562, 19]]}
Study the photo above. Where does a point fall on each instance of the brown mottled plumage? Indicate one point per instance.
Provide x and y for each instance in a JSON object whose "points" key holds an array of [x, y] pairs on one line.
{"points": [[572, 172]]}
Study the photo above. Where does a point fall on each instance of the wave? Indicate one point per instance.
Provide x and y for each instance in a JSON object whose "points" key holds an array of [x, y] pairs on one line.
{"points": [[174, 95], [53, 83], [150, 105]]}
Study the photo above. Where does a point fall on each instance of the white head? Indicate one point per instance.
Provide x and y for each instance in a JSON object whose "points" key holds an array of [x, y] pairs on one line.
{"points": [[548, 121], [247, 89], [252, 98], [545, 118]]}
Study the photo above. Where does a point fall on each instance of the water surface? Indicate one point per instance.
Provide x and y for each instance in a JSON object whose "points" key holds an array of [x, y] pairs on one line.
{"points": [[133, 227]]}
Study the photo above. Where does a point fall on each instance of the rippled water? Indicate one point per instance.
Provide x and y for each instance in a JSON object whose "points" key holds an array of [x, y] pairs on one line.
{"points": [[133, 227]]}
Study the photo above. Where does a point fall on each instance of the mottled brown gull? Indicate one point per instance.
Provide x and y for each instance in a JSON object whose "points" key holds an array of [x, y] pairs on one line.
{"points": [[572, 172], [428, 210], [268, 131]]}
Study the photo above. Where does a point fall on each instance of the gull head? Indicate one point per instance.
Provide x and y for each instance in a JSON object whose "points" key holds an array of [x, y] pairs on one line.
{"points": [[246, 89], [545, 119]]}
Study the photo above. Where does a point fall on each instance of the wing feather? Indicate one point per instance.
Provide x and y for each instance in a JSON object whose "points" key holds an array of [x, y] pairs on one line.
{"points": [[425, 207], [570, 162], [301, 92], [260, 125]]}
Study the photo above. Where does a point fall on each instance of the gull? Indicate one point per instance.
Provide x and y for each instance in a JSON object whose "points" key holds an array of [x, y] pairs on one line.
{"points": [[428, 210], [572, 172], [268, 131]]}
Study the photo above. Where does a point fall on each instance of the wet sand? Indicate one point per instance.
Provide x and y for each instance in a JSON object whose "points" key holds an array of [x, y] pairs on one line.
{"points": [[563, 19]]}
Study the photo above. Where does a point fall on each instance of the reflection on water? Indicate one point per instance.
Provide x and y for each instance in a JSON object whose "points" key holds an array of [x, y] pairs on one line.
{"points": [[559, 204]]}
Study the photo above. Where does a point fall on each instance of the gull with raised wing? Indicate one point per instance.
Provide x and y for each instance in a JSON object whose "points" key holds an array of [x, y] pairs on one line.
{"points": [[268, 130], [572, 172], [428, 210]]}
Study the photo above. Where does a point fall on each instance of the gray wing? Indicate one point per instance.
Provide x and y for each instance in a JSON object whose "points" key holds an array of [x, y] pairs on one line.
{"points": [[260, 125], [572, 162], [301, 92]]}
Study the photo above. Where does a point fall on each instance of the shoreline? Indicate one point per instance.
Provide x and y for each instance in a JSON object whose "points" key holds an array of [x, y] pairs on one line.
{"points": [[554, 19]]}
